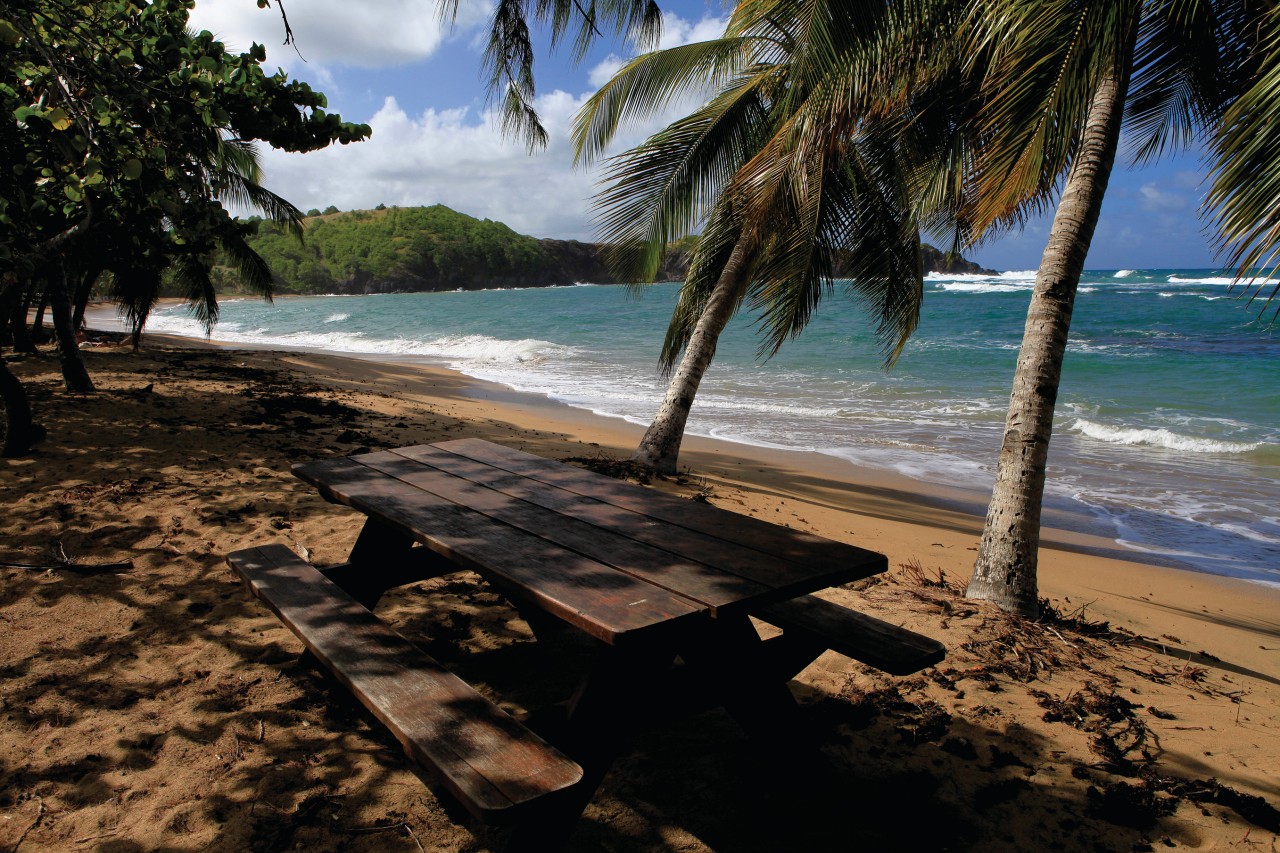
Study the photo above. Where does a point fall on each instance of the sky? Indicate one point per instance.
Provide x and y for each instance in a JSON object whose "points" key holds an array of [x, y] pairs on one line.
{"points": [[416, 79]]}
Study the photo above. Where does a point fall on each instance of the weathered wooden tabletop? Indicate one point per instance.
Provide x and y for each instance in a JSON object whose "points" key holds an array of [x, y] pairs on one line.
{"points": [[617, 560]]}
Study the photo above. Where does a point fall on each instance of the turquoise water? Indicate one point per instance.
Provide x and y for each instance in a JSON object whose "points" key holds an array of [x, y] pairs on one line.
{"points": [[1167, 436]]}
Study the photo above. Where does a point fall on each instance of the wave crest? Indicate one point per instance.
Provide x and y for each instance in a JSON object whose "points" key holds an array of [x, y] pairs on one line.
{"points": [[1160, 438]]}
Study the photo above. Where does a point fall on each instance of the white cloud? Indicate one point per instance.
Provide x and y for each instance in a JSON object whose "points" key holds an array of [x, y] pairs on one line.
{"points": [[452, 158], [337, 32], [677, 31], [604, 70], [1153, 198], [459, 158]]}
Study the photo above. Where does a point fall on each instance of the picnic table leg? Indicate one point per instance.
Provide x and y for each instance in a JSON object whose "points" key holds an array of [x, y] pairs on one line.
{"points": [[602, 720], [729, 654], [546, 628], [379, 561]]}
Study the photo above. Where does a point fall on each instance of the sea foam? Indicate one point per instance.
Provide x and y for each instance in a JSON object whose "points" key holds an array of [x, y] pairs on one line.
{"points": [[1160, 438], [1214, 279], [975, 287]]}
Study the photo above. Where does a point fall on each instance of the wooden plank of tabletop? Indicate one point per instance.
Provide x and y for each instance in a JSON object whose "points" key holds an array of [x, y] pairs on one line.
{"points": [[820, 557], [609, 605], [608, 520], [703, 584]]}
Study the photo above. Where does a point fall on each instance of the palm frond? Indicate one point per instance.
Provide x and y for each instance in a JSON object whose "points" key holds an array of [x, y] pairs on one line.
{"points": [[509, 54], [1242, 200], [648, 84], [1183, 67], [255, 274], [1043, 61], [663, 189], [135, 291], [191, 273]]}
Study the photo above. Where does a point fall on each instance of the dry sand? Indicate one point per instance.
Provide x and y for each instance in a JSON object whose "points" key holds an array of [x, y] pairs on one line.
{"points": [[157, 706]]}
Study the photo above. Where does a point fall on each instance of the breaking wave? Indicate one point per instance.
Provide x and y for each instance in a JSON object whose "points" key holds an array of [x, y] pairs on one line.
{"points": [[1160, 438]]}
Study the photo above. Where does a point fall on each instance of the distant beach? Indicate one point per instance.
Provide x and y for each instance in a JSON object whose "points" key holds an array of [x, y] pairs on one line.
{"points": [[1167, 441]]}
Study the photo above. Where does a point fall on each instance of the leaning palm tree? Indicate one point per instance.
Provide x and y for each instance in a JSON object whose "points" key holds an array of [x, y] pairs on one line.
{"points": [[781, 171], [1059, 81]]}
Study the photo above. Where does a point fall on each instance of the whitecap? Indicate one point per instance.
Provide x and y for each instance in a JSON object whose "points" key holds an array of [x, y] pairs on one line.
{"points": [[986, 286], [337, 318], [1123, 274], [1160, 438], [487, 349], [1011, 276], [1214, 279]]}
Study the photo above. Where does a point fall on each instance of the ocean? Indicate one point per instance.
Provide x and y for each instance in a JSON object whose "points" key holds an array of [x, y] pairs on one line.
{"points": [[1166, 438]]}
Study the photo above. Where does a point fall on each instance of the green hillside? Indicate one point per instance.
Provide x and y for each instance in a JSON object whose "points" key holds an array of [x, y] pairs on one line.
{"points": [[434, 248], [411, 248]]}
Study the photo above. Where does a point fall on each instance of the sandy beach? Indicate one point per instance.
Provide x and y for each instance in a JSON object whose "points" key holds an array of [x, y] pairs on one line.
{"points": [[150, 703]]}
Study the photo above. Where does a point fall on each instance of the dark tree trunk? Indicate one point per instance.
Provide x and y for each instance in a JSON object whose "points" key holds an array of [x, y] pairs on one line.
{"points": [[83, 291], [74, 374], [17, 322], [20, 433], [39, 335]]}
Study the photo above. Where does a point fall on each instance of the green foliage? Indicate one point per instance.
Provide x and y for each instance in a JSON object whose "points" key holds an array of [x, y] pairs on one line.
{"points": [[1246, 181], [127, 133], [401, 248]]}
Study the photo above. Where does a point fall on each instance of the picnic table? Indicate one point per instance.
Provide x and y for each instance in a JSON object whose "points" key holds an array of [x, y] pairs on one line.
{"points": [[666, 587]]}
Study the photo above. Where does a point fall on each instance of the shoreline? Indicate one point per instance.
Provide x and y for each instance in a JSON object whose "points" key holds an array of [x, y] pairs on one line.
{"points": [[904, 518], [160, 705], [1062, 529], [1128, 494]]}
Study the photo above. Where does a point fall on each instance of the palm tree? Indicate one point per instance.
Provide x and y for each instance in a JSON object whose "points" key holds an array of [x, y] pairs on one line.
{"points": [[233, 174], [782, 171], [1048, 86], [1059, 80], [1246, 183]]}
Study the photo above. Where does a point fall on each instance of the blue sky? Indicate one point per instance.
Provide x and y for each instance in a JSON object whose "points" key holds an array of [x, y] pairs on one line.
{"points": [[416, 79]]}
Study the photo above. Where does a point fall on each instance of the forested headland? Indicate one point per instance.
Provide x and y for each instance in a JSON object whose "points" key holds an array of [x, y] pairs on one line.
{"points": [[398, 249]]}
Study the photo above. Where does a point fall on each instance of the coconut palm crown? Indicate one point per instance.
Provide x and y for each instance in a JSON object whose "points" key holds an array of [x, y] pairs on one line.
{"points": [[784, 168]]}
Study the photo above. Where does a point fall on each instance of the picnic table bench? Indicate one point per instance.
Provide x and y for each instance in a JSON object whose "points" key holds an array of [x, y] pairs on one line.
{"points": [[667, 587]]}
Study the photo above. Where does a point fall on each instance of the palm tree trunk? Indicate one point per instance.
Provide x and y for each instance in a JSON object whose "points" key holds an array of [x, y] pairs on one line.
{"points": [[74, 375], [1005, 570], [660, 447]]}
